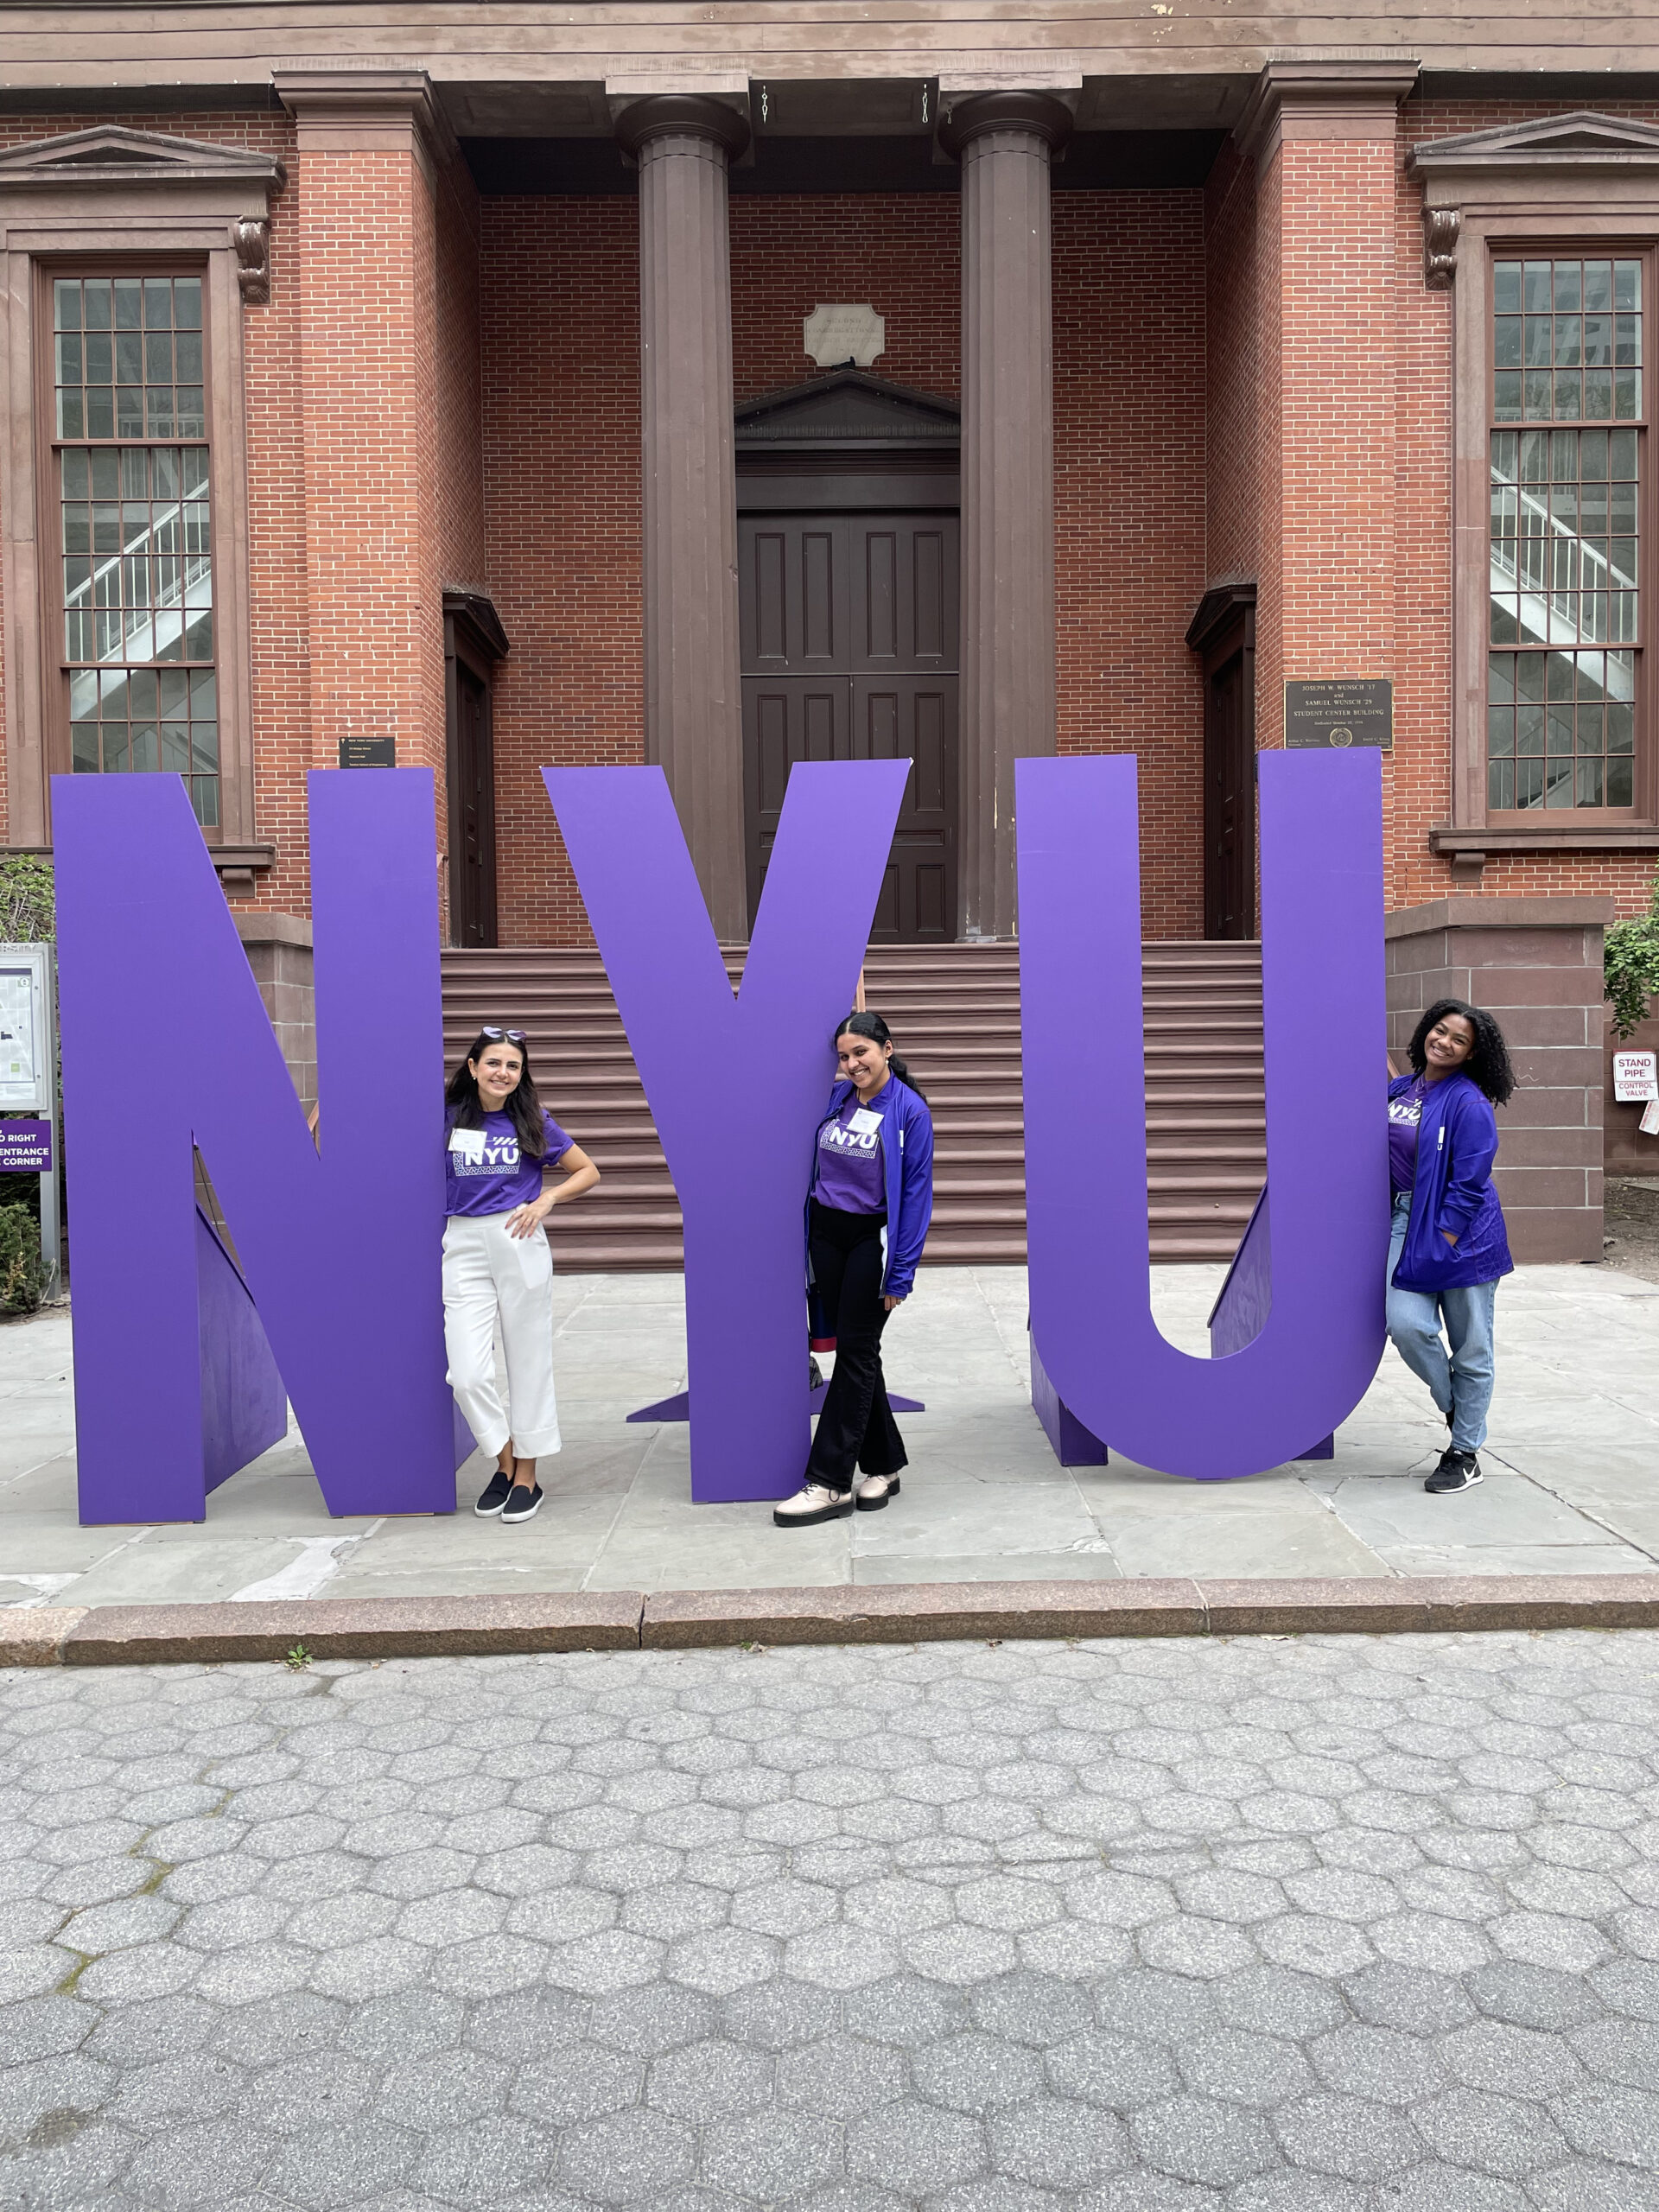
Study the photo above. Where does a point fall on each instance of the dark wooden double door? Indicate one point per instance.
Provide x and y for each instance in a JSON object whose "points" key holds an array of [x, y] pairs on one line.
{"points": [[849, 625]]}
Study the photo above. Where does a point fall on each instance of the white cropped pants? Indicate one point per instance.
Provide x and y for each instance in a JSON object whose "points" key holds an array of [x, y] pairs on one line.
{"points": [[489, 1276]]}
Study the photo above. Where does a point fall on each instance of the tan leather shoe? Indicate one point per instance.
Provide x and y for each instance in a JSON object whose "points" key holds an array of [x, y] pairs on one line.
{"points": [[874, 1492], [812, 1502]]}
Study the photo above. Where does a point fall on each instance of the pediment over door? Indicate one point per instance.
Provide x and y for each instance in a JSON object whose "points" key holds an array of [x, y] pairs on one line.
{"points": [[1580, 140], [849, 411], [107, 157]]}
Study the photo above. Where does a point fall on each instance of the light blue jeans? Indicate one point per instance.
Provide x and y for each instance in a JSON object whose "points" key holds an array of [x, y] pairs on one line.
{"points": [[1462, 1384]]}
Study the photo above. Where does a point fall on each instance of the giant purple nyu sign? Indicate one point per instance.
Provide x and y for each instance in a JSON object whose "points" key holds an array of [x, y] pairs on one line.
{"points": [[178, 1353]]}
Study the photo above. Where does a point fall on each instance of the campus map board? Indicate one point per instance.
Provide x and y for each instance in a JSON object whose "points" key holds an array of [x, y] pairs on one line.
{"points": [[20, 1029]]}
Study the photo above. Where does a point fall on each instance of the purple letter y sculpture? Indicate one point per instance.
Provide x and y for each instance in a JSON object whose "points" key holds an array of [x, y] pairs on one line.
{"points": [[166, 1043], [736, 1085], [1085, 1120]]}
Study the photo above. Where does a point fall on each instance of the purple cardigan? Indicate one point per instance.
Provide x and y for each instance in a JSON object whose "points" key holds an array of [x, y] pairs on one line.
{"points": [[908, 1164], [1457, 1143]]}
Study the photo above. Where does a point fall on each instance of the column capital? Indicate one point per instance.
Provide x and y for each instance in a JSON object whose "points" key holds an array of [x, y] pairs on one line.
{"points": [[1039, 114], [681, 115], [354, 111], [1354, 99]]}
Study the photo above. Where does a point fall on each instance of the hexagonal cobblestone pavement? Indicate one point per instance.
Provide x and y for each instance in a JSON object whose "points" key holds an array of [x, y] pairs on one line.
{"points": [[1259, 1925]]}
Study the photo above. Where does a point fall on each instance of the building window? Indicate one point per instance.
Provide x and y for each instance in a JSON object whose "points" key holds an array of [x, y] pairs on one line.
{"points": [[1566, 446], [133, 476]]}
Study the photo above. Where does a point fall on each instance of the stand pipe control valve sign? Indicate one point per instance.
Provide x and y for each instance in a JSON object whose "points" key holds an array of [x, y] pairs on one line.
{"points": [[1636, 1083]]}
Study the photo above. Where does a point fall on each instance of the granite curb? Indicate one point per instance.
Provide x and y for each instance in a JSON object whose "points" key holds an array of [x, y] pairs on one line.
{"points": [[354, 1628], [911, 1612], [629, 1620]]}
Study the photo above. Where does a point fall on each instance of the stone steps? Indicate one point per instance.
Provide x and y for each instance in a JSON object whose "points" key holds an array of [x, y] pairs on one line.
{"points": [[954, 1011]]}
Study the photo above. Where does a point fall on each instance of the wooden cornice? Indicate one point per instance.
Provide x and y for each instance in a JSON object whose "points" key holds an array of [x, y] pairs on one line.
{"points": [[1323, 99]]}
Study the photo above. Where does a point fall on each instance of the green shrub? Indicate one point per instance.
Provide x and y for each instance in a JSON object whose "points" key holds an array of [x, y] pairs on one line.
{"points": [[28, 905], [22, 1271], [1631, 966]]}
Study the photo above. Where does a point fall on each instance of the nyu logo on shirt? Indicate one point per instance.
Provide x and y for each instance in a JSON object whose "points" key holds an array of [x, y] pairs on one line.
{"points": [[1406, 1107], [861, 1134], [851, 1175], [476, 1152]]}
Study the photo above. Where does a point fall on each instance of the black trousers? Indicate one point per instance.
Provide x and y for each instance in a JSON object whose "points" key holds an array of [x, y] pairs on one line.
{"points": [[856, 1428]]}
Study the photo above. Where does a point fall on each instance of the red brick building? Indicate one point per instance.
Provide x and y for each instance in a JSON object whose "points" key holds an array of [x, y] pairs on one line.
{"points": [[449, 381]]}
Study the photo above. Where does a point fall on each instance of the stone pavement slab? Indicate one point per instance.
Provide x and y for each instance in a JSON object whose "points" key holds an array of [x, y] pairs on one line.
{"points": [[1570, 1484], [1329, 1924]]}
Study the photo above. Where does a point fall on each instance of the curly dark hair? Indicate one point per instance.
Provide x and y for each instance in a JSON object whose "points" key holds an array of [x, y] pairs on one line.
{"points": [[1487, 1066]]}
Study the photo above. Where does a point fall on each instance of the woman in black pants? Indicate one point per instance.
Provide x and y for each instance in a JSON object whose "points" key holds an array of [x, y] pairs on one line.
{"points": [[871, 1201]]}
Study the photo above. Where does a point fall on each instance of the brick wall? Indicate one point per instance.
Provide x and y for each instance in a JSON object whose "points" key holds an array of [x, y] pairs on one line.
{"points": [[561, 415], [1232, 371], [901, 252], [375, 456], [561, 328], [1129, 514]]}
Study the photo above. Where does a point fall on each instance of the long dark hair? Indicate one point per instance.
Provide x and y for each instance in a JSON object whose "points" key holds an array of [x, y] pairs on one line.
{"points": [[872, 1026], [463, 1109], [1487, 1066]]}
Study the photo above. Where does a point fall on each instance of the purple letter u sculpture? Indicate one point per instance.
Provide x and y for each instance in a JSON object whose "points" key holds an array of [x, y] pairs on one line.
{"points": [[736, 1084], [166, 1044], [1085, 1121]]}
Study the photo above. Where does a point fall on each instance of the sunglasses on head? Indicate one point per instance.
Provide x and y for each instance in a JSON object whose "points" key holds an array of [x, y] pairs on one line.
{"points": [[512, 1036]]}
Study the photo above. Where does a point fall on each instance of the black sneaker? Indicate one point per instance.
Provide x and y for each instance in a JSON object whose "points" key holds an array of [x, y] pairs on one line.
{"points": [[522, 1504], [1457, 1470], [492, 1500]]}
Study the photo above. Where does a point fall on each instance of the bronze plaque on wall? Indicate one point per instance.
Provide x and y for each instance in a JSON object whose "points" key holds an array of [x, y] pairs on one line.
{"points": [[1340, 711], [368, 753]]}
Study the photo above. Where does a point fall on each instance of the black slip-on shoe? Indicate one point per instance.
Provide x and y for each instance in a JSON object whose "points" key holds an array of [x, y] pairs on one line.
{"points": [[522, 1504], [492, 1500], [1457, 1470]]}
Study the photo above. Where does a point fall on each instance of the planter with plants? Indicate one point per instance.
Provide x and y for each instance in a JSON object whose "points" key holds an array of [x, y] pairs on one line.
{"points": [[1631, 967]]}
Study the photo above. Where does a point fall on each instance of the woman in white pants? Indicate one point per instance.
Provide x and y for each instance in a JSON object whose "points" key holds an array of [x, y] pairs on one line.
{"points": [[501, 1149]]}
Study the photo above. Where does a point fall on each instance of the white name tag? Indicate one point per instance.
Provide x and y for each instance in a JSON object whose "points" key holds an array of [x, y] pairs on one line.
{"points": [[864, 1123], [469, 1143]]}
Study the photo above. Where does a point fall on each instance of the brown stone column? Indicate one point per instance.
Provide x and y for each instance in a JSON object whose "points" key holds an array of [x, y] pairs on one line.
{"points": [[1005, 141], [693, 715]]}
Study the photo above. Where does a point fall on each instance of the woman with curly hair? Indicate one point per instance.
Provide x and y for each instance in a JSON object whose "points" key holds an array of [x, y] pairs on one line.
{"points": [[1448, 1248]]}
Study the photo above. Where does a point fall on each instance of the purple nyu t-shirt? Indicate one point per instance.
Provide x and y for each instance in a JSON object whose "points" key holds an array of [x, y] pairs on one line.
{"points": [[486, 1174], [851, 1173], [1405, 1112]]}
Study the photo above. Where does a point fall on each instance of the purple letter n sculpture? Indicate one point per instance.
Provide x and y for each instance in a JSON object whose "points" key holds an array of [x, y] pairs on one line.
{"points": [[1318, 1348], [166, 1044], [736, 1085]]}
